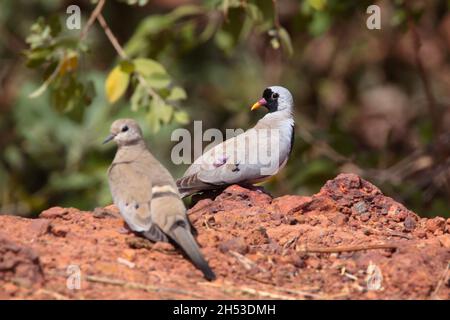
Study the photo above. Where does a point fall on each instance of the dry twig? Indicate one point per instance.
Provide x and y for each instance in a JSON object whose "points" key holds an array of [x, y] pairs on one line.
{"points": [[140, 286], [54, 294], [442, 280], [349, 248], [246, 262], [388, 232], [98, 9], [246, 290]]}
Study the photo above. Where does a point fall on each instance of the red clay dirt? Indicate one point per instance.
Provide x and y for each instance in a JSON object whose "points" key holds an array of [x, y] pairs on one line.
{"points": [[349, 241]]}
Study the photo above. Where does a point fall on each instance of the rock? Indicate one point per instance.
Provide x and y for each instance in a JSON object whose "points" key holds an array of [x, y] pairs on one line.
{"points": [[54, 212], [289, 204], [111, 212], [112, 209], [444, 240], [139, 243], [258, 236], [349, 187], [339, 219], [39, 226], [58, 230], [163, 246], [19, 264], [365, 217], [237, 244], [409, 223], [435, 224], [359, 207], [239, 193]]}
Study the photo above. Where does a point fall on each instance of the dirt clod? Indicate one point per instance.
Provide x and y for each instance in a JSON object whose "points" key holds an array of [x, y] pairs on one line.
{"points": [[19, 266]]}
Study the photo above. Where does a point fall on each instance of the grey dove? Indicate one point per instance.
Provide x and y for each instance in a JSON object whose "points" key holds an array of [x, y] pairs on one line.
{"points": [[250, 157], [146, 194]]}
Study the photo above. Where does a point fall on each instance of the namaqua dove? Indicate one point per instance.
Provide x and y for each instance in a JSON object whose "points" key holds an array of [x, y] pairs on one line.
{"points": [[146, 194], [250, 157]]}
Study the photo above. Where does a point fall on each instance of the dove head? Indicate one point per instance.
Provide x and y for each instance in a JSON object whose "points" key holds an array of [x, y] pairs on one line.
{"points": [[275, 98], [125, 132]]}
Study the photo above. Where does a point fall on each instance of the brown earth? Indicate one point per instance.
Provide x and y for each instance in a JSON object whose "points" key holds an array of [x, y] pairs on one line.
{"points": [[349, 241]]}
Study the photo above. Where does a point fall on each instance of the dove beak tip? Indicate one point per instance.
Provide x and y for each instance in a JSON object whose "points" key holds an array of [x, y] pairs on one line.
{"points": [[258, 104], [108, 139]]}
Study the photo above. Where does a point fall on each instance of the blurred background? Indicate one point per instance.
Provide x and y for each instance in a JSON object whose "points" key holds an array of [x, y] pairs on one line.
{"points": [[371, 102]]}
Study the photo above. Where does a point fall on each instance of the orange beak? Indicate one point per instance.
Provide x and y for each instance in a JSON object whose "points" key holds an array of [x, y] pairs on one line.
{"points": [[258, 104]]}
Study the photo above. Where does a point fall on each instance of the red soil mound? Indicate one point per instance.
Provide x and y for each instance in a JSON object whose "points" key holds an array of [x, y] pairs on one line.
{"points": [[349, 241]]}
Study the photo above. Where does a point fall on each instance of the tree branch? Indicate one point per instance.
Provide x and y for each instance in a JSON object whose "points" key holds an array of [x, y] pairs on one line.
{"points": [[98, 9], [115, 43], [276, 18], [432, 108], [97, 15], [112, 38]]}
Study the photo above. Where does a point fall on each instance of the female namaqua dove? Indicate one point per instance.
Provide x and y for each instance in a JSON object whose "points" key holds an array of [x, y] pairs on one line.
{"points": [[146, 194]]}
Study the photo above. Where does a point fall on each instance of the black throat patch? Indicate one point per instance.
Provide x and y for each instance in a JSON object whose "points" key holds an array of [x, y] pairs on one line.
{"points": [[271, 104]]}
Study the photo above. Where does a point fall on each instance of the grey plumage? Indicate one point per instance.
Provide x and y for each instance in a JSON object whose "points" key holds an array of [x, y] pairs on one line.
{"points": [[233, 161], [146, 194]]}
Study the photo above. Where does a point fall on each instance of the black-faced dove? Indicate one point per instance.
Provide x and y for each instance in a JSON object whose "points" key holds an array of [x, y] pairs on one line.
{"points": [[146, 194], [250, 157]]}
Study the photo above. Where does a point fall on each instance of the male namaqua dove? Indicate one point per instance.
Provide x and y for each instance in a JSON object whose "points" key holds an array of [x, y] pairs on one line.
{"points": [[250, 157], [146, 194]]}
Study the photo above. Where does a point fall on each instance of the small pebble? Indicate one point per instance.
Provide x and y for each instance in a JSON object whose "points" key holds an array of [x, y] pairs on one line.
{"points": [[409, 223], [365, 217], [360, 207]]}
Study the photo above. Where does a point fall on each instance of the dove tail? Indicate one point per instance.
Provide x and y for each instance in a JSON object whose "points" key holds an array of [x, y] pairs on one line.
{"points": [[192, 184], [186, 241]]}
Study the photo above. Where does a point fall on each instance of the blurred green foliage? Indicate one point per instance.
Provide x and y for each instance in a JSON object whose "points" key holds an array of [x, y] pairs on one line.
{"points": [[361, 103]]}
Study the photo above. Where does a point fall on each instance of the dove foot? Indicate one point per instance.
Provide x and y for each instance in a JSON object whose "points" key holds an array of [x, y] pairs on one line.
{"points": [[124, 230], [252, 187]]}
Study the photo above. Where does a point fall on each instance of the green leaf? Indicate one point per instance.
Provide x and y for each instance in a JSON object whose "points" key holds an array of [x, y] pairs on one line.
{"points": [[127, 66], [153, 120], [317, 4], [286, 42], [177, 93], [46, 83], [36, 57], [254, 12], [186, 10], [158, 80], [181, 117], [116, 84], [224, 40], [148, 67], [165, 113], [139, 98], [320, 23]]}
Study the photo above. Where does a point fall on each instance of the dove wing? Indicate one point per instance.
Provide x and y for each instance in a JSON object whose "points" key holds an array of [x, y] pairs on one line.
{"points": [[131, 188], [239, 159]]}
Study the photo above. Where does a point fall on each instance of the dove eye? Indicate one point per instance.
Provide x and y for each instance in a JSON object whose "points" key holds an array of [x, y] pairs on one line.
{"points": [[275, 95], [125, 128]]}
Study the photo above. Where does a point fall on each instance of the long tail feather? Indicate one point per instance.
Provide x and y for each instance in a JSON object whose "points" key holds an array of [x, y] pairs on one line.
{"points": [[187, 242]]}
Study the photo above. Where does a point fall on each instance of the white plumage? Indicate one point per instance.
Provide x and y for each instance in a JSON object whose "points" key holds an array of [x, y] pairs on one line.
{"points": [[250, 157]]}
